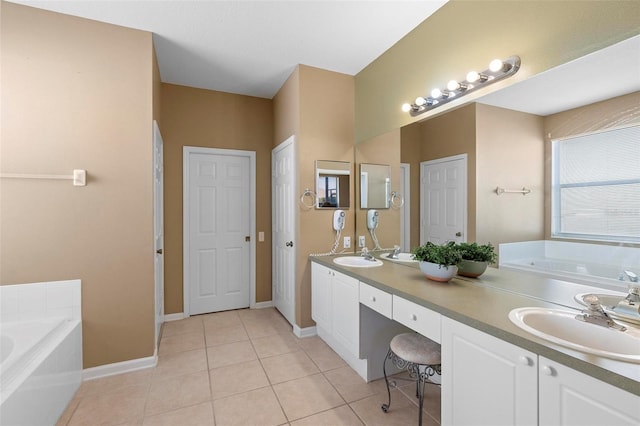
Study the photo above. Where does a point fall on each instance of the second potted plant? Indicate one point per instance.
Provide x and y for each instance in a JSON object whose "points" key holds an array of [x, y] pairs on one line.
{"points": [[438, 262], [475, 258]]}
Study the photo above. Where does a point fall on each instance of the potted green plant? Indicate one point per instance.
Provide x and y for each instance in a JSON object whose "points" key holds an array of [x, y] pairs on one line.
{"points": [[475, 258], [438, 262]]}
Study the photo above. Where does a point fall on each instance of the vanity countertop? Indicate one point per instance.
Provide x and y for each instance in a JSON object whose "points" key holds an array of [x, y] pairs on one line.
{"points": [[484, 303]]}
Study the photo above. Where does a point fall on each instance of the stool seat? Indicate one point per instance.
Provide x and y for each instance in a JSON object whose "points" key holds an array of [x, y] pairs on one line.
{"points": [[415, 348]]}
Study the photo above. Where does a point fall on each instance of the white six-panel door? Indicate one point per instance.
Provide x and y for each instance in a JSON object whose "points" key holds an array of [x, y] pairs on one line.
{"points": [[443, 200], [217, 231], [283, 228]]}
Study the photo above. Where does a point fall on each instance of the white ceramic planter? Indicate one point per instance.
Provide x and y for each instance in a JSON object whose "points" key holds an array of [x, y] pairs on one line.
{"points": [[436, 272]]}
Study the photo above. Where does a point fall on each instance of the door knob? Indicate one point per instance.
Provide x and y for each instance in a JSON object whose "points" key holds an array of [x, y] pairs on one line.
{"points": [[289, 244], [159, 251], [458, 234]]}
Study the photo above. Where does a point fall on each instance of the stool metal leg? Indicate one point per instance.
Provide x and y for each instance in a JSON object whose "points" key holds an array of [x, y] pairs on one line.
{"points": [[385, 407]]}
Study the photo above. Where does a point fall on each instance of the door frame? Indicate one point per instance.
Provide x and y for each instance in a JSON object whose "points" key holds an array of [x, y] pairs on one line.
{"points": [[291, 140], [465, 201], [405, 210], [186, 152], [158, 216]]}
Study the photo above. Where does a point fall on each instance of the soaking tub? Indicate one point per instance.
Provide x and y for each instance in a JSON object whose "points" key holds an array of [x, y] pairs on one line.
{"points": [[40, 364], [598, 266]]}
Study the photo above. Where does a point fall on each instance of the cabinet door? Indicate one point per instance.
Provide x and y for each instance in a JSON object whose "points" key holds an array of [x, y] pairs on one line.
{"points": [[568, 397], [346, 312], [321, 282], [485, 380]]}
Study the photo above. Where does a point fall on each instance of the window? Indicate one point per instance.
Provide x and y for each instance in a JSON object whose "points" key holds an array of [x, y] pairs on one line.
{"points": [[596, 186]]}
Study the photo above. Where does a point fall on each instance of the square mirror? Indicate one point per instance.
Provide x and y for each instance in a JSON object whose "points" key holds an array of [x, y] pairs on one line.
{"points": [[333, 184]]}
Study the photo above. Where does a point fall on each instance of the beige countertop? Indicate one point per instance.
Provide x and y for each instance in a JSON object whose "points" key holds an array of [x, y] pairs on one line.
{"points": [[484, 303]]}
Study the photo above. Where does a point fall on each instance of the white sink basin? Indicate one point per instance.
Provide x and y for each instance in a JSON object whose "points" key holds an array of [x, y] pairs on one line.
{"points": [[402, 257], [356, 262], [561, 327]]}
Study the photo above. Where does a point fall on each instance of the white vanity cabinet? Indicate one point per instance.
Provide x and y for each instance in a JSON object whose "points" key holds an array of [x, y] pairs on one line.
{"points": [[485, 380], [335, 307], [568, 397], [321, 295]]}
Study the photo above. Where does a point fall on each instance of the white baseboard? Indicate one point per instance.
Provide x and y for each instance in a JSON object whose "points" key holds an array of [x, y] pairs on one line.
{"points": [[304, 332], [174, 317], [262, 305], [119, 368]]}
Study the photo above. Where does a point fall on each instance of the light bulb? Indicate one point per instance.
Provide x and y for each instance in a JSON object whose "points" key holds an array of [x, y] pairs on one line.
{"points": [[420, 101], [453, 85], [473, 76], [496, 65], [406, 107], [436, 93]]}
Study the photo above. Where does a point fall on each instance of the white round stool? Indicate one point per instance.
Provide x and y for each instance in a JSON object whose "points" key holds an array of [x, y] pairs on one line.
{"points": [[420, 357]]}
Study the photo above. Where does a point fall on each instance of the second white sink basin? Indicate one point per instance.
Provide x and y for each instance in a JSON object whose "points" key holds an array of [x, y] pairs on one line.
{"points": [[357, 262], [561, 327], [402, 257]]}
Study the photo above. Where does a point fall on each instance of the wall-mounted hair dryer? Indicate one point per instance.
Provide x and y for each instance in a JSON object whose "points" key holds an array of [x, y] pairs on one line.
{"points": [[338, 220], [372, 219]]}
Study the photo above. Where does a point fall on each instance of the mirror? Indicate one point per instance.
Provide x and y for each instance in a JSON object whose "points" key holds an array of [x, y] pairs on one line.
{"points": [[523, 96], [332, 184], [375, 186]]}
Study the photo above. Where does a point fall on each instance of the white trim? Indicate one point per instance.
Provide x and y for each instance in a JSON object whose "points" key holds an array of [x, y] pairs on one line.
{"points": [[174, 317], [186, 151], [119, 368], [263, 305], [405, 210], [304, 332]]}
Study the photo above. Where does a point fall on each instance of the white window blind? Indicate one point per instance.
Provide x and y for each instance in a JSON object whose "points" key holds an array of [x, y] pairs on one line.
{"points": [[596, 186]]}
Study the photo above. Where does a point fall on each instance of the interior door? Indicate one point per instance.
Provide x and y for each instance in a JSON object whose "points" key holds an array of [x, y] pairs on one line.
{"points": [[283, 229], [217, 222], [443, 200], [158, 228]]}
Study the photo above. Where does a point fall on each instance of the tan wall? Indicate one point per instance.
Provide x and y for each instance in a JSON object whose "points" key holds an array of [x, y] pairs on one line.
{"points": [[410, 154], [205, 118], [317, 106], [384, 149], [617, 112], [451, 134], [77, 94], [464, 35], [510, 154]]}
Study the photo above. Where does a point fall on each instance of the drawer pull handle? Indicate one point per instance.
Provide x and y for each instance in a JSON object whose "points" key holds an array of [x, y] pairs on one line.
{"points": [[548, 371], [524, 360], [373, 298], [414, 317]]}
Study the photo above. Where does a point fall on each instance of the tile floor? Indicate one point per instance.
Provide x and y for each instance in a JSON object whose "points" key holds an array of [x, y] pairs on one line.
{"points": [[244, 367]]}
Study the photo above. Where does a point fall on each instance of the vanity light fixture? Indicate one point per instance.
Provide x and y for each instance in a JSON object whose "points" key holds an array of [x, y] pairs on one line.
{"points": [[498, 69]]}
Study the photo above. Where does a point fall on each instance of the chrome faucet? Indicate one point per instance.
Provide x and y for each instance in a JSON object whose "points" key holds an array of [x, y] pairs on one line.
{"points": [[395, 252], [596, 315], [367, 255]]}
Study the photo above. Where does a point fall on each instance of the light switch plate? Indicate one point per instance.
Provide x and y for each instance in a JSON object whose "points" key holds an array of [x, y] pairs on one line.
{"points": [[361, 241], [261, 236], [347, 242]]}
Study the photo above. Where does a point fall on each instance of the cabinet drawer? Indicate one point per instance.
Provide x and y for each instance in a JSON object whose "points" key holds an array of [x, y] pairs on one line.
{"points": [[378, 300], [418, 318]]}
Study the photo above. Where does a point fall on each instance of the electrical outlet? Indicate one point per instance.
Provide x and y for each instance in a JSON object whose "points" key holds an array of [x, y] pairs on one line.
{"points": [[361, 241], [347, 242]]}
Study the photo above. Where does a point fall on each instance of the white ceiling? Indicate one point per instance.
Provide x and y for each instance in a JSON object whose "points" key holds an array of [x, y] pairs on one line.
{"points": [[251, 47], [607, 73]]}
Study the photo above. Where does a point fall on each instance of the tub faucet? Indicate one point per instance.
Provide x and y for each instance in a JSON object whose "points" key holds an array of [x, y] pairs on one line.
{"points": [[594, 314], [632, 277], [395, 252]]}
